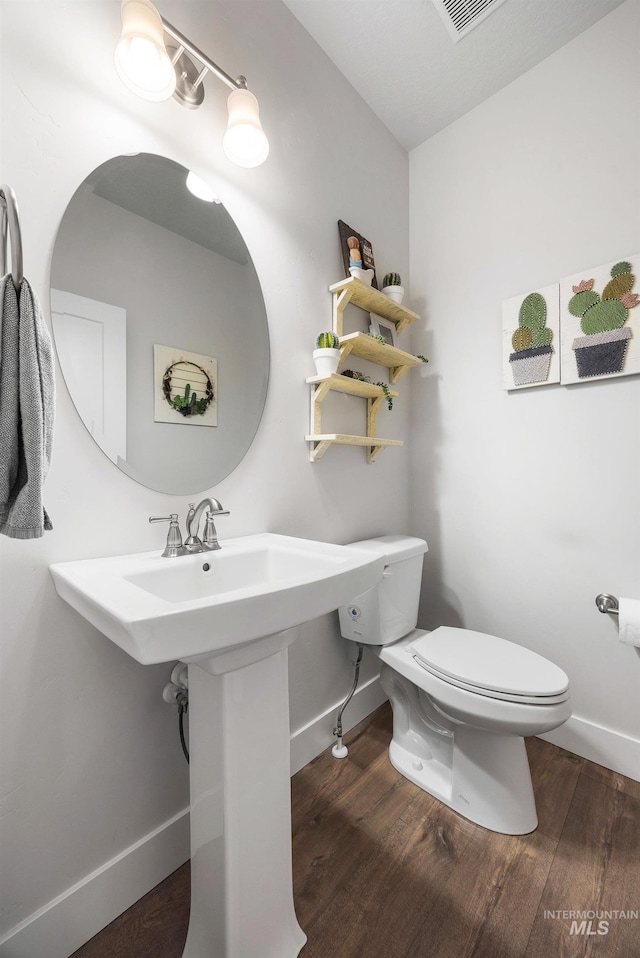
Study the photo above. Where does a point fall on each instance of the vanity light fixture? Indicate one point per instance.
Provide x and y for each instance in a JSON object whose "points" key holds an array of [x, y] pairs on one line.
{"points": [[200, 188], [155, 71]]}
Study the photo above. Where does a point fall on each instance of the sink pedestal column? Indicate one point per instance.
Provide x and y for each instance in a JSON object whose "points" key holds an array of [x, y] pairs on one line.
{"points": [[241, 877]]}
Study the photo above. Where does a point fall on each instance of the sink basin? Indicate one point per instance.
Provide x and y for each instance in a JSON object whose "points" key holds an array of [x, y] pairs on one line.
{"points": [[159, 610]]}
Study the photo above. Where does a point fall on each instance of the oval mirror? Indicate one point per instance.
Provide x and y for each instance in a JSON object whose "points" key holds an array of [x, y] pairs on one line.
{"points": [[159, 324]]}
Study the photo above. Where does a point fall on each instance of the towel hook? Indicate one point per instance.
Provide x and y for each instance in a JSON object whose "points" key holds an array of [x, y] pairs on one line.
{"points": [[10, 221]]}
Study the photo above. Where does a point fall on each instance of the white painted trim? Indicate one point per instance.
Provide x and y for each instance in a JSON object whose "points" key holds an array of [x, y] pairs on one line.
{"points": [[68, 921], [315, 736], [79, 913], [613, 750]]}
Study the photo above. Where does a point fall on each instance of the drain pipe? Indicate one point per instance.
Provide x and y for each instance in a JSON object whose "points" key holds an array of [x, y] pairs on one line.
{"points": [[339, 750]]}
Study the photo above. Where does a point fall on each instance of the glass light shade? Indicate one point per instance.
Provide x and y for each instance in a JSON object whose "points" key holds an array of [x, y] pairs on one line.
{"points": [[141, 60], [245, 142], [199, 188]]}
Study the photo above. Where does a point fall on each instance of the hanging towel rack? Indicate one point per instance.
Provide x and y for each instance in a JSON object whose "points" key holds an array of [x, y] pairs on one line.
{"points": [[10, 236]]}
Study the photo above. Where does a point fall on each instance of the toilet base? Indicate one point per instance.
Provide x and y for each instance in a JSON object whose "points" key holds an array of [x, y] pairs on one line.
{"points": [[481, 774], [489, 781]]}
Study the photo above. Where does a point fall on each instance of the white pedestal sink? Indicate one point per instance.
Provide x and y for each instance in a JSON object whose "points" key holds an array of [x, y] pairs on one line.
{"points": [[231, 615]]}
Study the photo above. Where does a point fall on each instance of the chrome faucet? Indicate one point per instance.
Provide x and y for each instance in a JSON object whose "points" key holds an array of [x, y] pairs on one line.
{"points": [[192, 544], [209, 541]]}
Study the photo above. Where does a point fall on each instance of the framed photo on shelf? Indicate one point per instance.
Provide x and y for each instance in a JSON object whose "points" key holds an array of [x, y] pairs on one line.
{"points": [[350, 239], [384, 328]]}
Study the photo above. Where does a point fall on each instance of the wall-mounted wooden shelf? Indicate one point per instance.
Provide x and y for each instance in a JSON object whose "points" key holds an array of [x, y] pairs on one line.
{"points": [[366, 347], [360, 344], [344, 384], [321, 386], [354, 291], [322, 442]]}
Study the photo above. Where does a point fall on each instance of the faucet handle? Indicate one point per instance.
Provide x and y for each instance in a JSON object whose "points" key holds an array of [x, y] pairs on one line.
{"points": [[210, 537], [174, 545]]}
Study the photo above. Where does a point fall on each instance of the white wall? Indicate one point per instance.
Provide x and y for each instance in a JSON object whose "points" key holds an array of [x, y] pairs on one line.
{"points": [[529, 500], [91, 761]]}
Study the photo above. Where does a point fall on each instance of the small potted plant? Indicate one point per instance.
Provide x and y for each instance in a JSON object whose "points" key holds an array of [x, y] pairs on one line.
{"points": [[326, 355], [531, 342], [392, 287], [352, 374], [602, 349]]}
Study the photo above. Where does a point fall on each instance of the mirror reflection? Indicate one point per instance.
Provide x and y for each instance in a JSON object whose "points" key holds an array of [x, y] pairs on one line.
{"points": [[159, 324]]}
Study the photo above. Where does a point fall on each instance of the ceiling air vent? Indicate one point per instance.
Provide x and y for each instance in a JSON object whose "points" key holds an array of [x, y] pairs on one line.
{"points": [[461, 16]]}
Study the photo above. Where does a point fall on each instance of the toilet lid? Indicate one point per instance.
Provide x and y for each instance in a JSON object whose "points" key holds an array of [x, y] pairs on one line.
{"points": [[485, 663]]}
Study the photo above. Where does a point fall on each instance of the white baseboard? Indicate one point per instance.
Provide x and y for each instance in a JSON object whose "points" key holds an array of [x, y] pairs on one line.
{"points": [[313, 738], [79, 913], [613, 750]]}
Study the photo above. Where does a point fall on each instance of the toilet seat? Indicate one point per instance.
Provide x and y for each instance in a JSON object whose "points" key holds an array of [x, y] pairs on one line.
{"points": [[489, 666]]}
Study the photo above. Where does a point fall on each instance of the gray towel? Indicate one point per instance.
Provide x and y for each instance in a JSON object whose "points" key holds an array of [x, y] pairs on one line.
{"points": [[27, 400]]}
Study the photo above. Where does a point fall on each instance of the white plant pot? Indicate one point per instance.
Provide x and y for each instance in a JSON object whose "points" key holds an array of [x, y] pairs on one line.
{"points": [[364, 275], [326, 361], [396, 293]]}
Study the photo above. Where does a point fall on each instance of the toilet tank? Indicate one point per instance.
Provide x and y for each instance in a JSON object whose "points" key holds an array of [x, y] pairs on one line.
{"points": [[390, 610]]}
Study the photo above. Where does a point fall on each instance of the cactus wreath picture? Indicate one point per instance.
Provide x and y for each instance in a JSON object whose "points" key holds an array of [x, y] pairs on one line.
{"points": [[601, 322], [530, 330], [185, 387]]}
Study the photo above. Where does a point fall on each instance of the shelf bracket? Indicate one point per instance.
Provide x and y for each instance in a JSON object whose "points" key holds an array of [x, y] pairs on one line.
{"points": [[373, 452], [340, 301], [344, 352], [318, 449], [396, 373], [372, 413], [318, 395]]}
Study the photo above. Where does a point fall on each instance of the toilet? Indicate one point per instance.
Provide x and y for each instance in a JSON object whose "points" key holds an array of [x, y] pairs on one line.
{"points": [[462, 701]]}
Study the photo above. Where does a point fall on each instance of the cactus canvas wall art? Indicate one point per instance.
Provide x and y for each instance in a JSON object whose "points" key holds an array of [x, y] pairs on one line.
{"points": [[530, 334], [600, 320]]}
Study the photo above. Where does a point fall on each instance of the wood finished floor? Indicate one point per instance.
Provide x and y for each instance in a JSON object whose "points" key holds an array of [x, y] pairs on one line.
{"points": [[382, 870]]}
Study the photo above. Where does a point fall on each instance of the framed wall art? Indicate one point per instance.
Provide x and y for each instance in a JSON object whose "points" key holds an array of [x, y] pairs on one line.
{"points": [[185, 387], [600, 322], [531, 339]]}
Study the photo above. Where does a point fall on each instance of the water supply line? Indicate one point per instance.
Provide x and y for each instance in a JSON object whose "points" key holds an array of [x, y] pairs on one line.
{"points": [[340, 750], [182, 699], [177, 692]]}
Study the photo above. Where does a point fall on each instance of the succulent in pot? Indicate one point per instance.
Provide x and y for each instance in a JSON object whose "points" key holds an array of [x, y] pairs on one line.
{"points": [[326, 355], [531, 342], [392, 287], [353, 374], [601, 351]]}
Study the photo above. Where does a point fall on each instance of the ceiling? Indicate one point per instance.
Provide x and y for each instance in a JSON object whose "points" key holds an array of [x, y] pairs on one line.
{"points": [[402, 61], [155, 188]]}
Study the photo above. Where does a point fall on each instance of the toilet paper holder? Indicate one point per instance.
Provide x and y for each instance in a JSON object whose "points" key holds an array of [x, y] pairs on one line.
{"points": [[607, 603]]}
